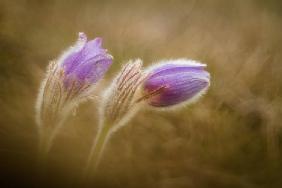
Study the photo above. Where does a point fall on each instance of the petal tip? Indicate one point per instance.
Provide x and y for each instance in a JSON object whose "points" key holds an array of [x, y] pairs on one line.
{"points": [[82, 36], [98, 41]]}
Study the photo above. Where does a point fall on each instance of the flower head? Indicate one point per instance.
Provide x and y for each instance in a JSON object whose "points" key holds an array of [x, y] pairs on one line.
{"points": [[86, 62], [167, 84], [72, 78], [174, 82]]}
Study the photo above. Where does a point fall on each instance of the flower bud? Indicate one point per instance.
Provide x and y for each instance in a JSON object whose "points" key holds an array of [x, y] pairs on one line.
{"points": [[175, 82], [118, 103]]}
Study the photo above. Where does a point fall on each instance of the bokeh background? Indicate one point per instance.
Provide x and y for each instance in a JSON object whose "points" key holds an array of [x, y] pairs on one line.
{"points": [[230, 138]]}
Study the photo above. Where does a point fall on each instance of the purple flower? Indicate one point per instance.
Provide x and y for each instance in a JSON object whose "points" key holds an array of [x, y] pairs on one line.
{"points": [[174, 82], [86, 62], [71, 79]]}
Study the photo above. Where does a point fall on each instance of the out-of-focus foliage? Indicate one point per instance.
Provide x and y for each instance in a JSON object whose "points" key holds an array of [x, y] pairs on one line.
{"points": [[231, 138]]}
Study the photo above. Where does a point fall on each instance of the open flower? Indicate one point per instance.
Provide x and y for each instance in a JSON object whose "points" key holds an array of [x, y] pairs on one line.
{"points": [[85, 64], [175, 82], [70, 80]]}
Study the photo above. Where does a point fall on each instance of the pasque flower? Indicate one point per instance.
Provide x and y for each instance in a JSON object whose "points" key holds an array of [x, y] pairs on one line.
{"points": [[166, 84], [118, 105], [85, 64], [69, 80], [173, 82]]}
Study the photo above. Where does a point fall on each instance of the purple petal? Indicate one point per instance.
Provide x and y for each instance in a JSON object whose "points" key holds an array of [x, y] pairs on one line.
{"points": [[180, 84], [87, 61], [93, 70], [72, 57], [88, 50], [179, 63], [93, 48]]}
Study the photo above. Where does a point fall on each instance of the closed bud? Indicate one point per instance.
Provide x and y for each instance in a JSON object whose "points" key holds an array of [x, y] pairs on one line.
{"points": [[118, 103], [175, 82]]}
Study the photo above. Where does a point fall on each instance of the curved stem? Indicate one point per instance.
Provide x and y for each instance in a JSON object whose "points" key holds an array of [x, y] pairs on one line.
{"points": [[43, 149], [44, 143], [47, 136], [97, 150]]}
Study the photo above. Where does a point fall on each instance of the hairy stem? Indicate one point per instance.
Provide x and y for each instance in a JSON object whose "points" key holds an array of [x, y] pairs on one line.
{"points": [[97, 150], [46, 138], [44, 142]]}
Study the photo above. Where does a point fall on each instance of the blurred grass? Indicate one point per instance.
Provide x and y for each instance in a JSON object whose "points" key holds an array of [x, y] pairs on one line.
{"points": [[231, 138]]}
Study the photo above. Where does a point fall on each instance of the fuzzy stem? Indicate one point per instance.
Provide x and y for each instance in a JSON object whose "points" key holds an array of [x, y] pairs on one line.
{"points": [[97, 150], [44, 143], [46, 138], [43, 149]]}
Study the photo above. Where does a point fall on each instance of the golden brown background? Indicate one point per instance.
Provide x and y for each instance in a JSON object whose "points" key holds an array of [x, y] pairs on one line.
{"points": [[230, 138]]}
